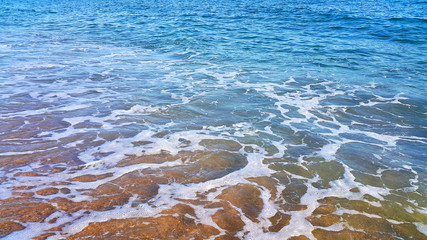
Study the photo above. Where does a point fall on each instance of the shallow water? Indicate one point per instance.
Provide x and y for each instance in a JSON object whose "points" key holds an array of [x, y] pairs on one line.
{"points": [[180, 119]]}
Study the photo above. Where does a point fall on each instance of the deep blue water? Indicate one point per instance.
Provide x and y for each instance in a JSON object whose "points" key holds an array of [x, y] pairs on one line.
{"points": [[364, 41], [344, 81]]}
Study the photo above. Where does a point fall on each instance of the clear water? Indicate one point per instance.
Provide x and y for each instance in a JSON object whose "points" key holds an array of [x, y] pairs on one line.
{"points": [[82, 82]]}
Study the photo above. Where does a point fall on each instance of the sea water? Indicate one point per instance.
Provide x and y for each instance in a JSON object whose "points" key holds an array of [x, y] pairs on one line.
{"points": [[244, 111]]}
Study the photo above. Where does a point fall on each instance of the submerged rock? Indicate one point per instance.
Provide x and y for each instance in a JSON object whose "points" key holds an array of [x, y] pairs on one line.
{"points": [[397, 179], [25, 210], [327, 171], [210, 166], [246, 197], [48, 191], [90, 177], [278, 221], [344, 234], [8, 227], [227, 218], [324, 221], [175, 223], [300, 237], [221, 144]]}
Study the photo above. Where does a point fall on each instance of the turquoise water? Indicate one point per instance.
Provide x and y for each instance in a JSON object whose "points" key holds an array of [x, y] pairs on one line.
{"points": [[291, 80]]}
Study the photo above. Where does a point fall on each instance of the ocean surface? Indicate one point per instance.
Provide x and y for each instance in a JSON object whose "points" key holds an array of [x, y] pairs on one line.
{"points": [[176, 119]]}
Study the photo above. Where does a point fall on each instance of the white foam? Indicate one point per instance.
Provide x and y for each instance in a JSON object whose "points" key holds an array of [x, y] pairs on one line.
{"points": [[302, 99], [137, 109], [34, 94], [328, 151], [342, 211], [421, 227], [40, 65], [73, 107]]}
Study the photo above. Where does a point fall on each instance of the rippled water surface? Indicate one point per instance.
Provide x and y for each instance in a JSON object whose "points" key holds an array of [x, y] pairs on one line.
{"points": [[213, 119]]}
